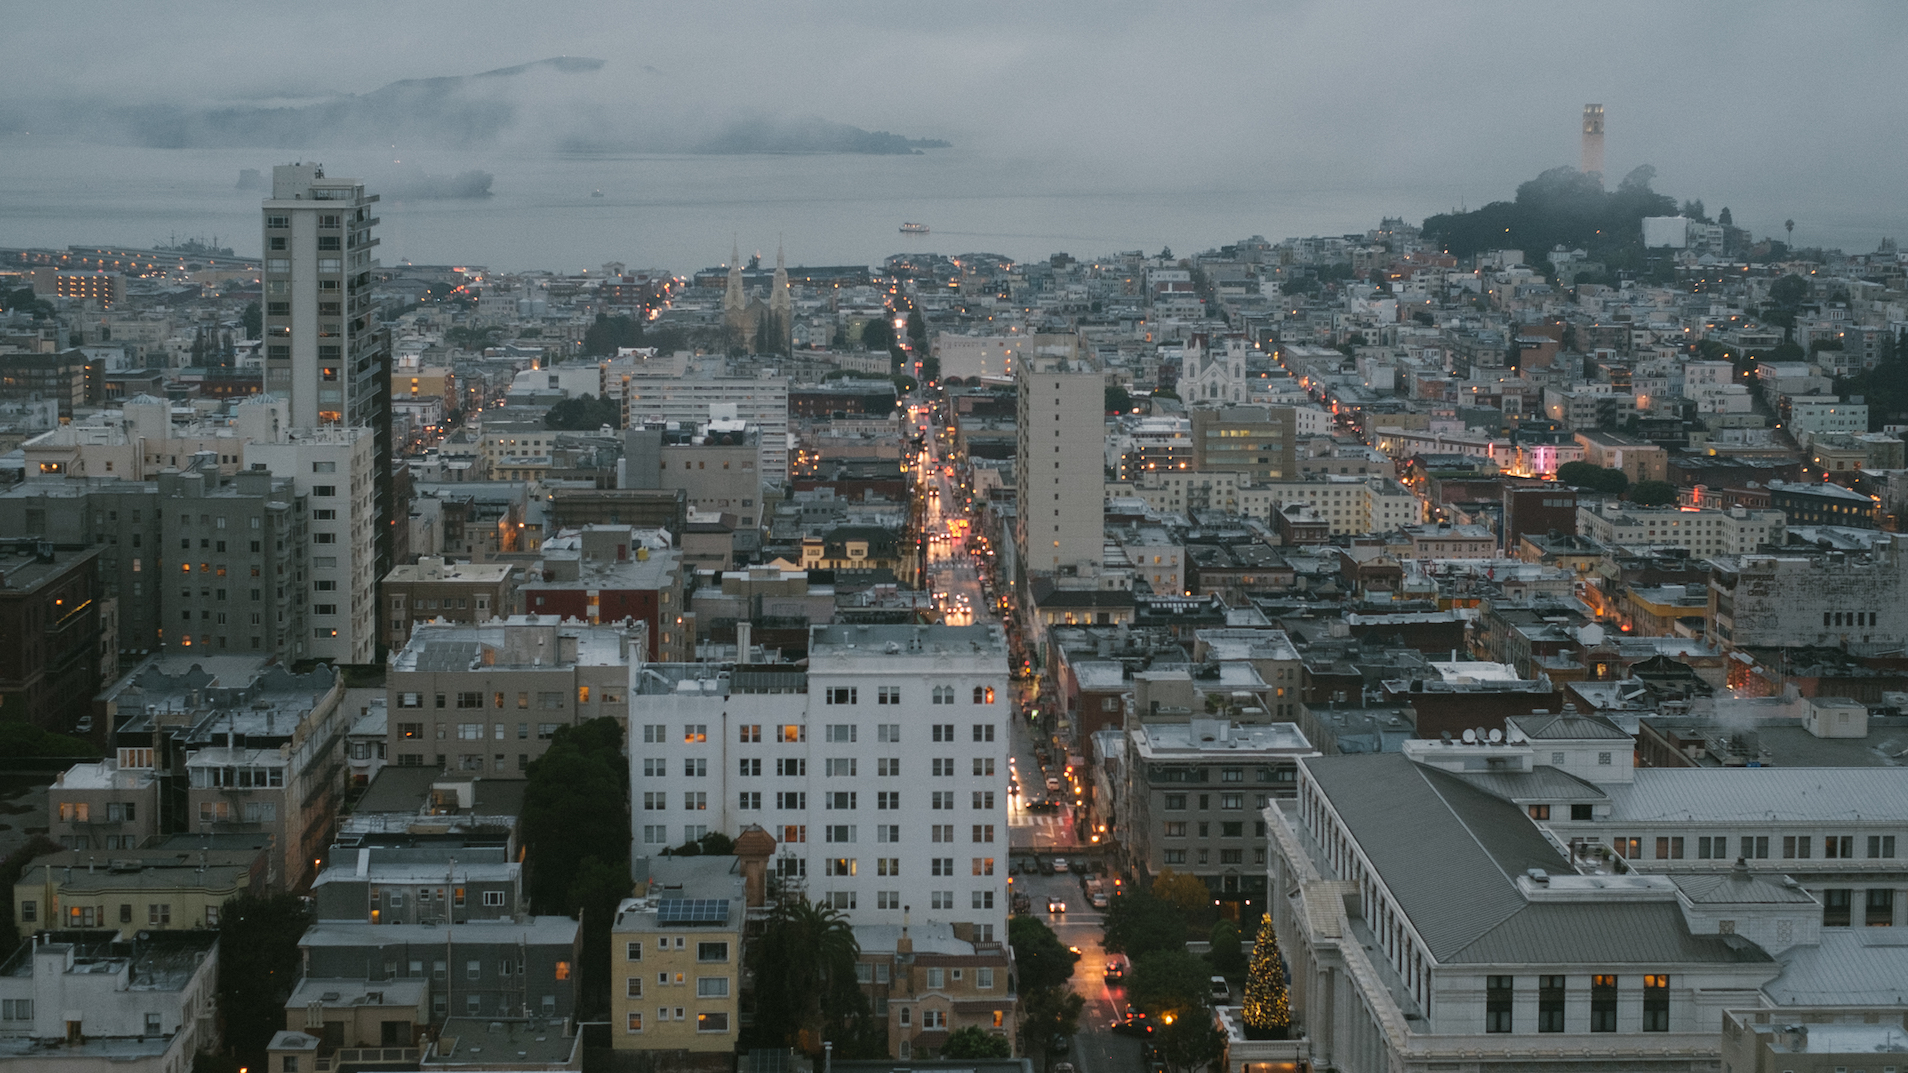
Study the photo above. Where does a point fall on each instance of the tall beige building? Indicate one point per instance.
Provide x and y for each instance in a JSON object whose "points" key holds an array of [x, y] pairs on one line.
{"points": [[1060, 467]]}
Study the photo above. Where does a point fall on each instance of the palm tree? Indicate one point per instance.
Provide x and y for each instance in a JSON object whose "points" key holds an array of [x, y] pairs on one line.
{"points": [[1789, 225], [805, 988]]}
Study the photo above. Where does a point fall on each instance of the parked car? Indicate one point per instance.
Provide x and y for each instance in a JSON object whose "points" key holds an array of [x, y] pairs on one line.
{"points": [[1060, 864]]}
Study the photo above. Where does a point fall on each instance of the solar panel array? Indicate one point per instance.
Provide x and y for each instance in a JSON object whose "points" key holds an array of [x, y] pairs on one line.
{"points": [[692, 911]]}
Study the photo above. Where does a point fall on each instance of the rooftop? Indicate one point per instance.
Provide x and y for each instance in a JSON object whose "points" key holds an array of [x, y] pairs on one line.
{"points": [[1783, 795], [1206, 738]]}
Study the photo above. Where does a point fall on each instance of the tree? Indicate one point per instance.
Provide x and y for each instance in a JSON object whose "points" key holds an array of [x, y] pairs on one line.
{"points": [[1170, 982], [607, 333], [805, 989], [1042, 959], [1593, 477], [599, 887], [585, 413], [973, 1042], [23, 741], [1789, 291], [877, 334], [1225, 956], [253, 319], [917, 328], [1268, 1005], [1118, 401], [1190, 1043], [1183, 889], [1044, 1014], [575, 806], [467, 337], [1653, 494], [1137, 923], [258, 967]]}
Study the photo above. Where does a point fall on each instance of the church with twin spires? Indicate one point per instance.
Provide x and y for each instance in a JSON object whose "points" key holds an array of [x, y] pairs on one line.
{"points": [[757, 322]]}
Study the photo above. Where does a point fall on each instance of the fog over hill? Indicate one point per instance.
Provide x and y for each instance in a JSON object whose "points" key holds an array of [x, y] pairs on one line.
{"points": [[570, 103]]}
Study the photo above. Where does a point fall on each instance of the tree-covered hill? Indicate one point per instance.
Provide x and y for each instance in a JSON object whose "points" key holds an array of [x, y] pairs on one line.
{"points": [[1561, 206]]}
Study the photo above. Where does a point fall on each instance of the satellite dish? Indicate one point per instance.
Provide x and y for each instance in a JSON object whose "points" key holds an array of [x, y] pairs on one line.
{"points": [[1470, 737], [1497, 736], [1591, 635]]}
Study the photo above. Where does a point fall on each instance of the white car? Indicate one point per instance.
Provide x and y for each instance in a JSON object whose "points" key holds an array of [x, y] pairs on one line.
{"points": [[1059, 864]]}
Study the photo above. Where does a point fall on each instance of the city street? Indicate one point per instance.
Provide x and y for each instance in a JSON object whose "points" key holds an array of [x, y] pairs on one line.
{"points": [[1033, 835], [1096, 1049]]}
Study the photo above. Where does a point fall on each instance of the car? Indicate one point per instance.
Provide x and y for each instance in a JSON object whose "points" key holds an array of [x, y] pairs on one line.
{"points": [[1134, 1023], [1063, 1067], [1056, 905], [1053, 785], [1115, 968], [1046, 867], [1060, 864], [1221, 991], [1059, 1044]]}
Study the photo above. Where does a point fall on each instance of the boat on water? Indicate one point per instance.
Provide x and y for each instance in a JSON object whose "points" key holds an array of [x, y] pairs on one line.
{"points": [[596, 193], [914, 229]]}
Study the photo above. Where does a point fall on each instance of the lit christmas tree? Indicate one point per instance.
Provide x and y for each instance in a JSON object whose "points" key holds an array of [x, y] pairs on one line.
{"points": [[1268, 1008]]}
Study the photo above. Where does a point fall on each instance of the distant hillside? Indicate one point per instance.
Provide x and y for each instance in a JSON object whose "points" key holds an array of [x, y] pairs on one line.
{"points": [[566, 102], [1561, 206]]}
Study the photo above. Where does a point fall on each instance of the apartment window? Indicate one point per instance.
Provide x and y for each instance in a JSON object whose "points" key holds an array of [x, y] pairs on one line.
{"points": [[839, 733], [159, 914], [888, 732], [1175, 802], [1669, 849], [1879, 912], [887, 799], [983, 832], [1497, 1003], [983, 694], [1656, 1003], [1631, 848], [942, 799], [712, 987], [1550, 1004], [983, 899], [1582, 812], [696, 801], [943, 731], [983, 799], [749, 800], [1756, 847], [839, 799], [983, 732], [1795, 847], [791, 800], [942, 768], [633, 951], [943, 694], [887, 767], [695, 768], [1838, 846], [1836, 903], [791, 768], [984, 766], [692, 733], [635, 1022], [888, 695], [1603, 1003], [1175, 829], [841, 695], [1708, 848], [1538, 812], [1881, 845], [1175, 856], [791, 733], [1232, 801], [752, 734], [493, 898]]}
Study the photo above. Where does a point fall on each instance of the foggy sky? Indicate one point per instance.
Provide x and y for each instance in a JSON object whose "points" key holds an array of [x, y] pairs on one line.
{"points": [[1766, 103]]}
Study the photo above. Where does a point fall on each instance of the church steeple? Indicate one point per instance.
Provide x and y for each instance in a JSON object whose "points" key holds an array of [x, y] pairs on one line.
{"points": [[733, 300]]}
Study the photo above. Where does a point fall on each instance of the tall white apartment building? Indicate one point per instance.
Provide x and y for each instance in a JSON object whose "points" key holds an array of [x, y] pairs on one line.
{"points": [[1060, 466], [334, 470], [881, 772], [325, 351], [696, 400]]}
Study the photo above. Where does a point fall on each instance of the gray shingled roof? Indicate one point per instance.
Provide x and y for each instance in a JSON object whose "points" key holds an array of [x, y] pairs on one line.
{"points": [[1450, 853], [1447, 851], [1540, 784], [1568, 726]]}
